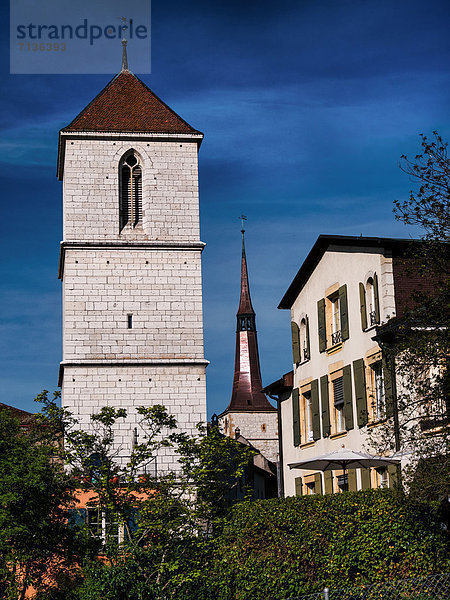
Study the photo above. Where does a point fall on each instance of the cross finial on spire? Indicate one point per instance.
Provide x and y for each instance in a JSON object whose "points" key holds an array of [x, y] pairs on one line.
{"points": [[124, 45], [242, 218]]}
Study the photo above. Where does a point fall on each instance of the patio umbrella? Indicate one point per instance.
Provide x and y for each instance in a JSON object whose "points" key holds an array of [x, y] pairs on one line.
{"points": [[344, 459]]}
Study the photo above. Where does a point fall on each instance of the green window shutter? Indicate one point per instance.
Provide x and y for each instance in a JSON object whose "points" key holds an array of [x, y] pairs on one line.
{"points": [[375, 295], [393, 475], [296, 416], [298, 486], [308, 349], [365, 479], [326, 423], [388, 387], [295, 342], [315, 409], [348, 404], [328, 480], [362, 306], [318, 483], [343, 308], [360, 392], [352, 487], [322, 325]]}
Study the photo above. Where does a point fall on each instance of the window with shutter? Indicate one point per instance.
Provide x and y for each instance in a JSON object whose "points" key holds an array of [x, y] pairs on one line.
{"points": [[296, 416], [362, 306], [326, 423], [322, 325], [308, 347], [130, 205], [328, 481], [304, 340], [343, 311], [360, 392], [372, 301], [295, 342], [318, 483], [389, 392], [352, 484], [315, 409], [348, 397], [382, 477], [338, 402], [298, 486], [307, 416], [393, 471], [365, 479], [377, 391]]}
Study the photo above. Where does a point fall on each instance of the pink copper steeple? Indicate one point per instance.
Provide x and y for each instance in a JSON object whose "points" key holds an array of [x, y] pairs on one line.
{"points": [[247, 386]]}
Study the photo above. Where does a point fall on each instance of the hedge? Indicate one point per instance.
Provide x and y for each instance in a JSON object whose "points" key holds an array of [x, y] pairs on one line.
{"points": [[286, 547]]}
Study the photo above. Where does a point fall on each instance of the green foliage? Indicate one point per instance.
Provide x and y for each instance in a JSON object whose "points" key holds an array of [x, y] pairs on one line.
{"points": [[286, 547], [36, 543], [169, 550]]}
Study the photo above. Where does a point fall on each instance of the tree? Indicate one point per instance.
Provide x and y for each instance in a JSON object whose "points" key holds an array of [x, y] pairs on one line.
{"points": [[418, 342], [36, 544], [169, 519]]}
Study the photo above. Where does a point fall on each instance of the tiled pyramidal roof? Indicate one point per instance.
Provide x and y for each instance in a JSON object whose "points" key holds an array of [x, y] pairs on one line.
{"points": [[126, 104]]}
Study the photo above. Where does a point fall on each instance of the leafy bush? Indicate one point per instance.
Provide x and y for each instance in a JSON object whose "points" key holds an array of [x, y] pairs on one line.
{"points": [[286, 547]]}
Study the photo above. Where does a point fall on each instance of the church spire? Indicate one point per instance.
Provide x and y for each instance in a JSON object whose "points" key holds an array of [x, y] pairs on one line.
{"points": [[245, 303], [247, 386], [124, 46]]}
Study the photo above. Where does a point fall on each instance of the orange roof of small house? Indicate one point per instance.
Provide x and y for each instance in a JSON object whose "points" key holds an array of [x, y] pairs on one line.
{"points": [[126, 104]]}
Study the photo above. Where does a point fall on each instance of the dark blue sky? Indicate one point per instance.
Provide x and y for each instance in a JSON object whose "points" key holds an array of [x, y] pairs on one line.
{"points": [[306, 108]]}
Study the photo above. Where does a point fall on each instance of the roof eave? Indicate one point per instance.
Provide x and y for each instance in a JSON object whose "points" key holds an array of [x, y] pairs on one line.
{"points": [[319, 249]]}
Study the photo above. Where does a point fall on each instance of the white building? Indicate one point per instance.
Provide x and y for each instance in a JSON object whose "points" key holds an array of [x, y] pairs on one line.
{"points": [[341, 385], [130, 261]]}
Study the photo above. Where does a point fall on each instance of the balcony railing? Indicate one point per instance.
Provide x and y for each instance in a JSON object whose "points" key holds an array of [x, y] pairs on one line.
{"points": [[336, 337], [373, 318], [305, 353]]}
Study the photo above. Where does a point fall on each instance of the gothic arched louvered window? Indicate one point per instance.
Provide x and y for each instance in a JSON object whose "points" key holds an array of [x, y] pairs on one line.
{"points": [[130, 191]]}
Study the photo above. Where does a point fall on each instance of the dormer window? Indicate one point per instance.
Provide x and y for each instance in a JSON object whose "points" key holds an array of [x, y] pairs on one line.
{"points": [[130, 191]]}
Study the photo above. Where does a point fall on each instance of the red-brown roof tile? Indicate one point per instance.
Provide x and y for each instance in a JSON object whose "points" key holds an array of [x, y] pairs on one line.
{"points": [[126, 104]]}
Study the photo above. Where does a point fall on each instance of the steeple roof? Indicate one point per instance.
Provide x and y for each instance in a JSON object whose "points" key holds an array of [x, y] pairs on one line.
{"points": [[247, 395], [126, 104], [245, 303]]}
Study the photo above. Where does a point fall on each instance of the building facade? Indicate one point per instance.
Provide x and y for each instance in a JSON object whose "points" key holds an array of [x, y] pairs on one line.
{"points": [[249, 409], [130, 262], [341, 385]]}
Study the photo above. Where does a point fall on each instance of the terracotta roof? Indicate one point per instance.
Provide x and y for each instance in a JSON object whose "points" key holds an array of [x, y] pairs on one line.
{"points": [[26, 418], [126, 104]]}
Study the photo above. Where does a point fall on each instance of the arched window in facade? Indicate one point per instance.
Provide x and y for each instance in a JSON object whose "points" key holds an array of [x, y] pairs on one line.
{"points": [[370, 299], [130, 190], [369, 302], [304, 339]]}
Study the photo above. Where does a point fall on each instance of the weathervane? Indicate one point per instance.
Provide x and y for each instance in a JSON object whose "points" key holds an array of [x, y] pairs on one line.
{"points": [[242, 218], [124, 45]]}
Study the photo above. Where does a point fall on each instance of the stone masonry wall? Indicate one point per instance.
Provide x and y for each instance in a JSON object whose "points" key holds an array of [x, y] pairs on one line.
{"points": [[161, 289], [251, 425], [181, 388], [169, 190], [151, 272]]}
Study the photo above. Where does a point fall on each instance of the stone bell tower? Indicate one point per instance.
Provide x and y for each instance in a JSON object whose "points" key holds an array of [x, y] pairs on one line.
{"points": [[130, 261], [249, 410]]}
